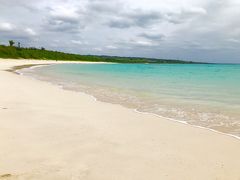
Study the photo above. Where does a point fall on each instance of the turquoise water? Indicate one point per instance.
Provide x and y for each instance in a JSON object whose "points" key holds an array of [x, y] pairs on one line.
{"points": [[206, 95]]}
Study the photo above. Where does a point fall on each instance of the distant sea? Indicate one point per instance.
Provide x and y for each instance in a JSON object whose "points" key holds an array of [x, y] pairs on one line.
{"points": [[205, 95]]}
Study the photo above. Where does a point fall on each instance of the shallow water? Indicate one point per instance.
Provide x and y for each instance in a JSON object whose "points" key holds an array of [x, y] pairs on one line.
{"points": [[206, 95]]}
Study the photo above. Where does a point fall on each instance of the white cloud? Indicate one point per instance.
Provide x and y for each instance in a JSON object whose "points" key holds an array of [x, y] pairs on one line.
{"points": [[64, 14], [6, 26], [97, 49], [111, 47], [30, 31], [76, 42], [142, 43]]}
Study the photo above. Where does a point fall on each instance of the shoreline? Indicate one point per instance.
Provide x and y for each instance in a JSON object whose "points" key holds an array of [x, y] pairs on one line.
{"points": [[19, 68], [15, 69], [70, 135], [191, 125]]}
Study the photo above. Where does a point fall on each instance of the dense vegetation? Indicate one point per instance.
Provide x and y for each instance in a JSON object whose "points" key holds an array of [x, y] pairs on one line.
{"points": [[34, 53]]}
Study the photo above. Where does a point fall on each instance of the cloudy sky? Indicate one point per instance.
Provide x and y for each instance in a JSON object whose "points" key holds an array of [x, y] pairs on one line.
{"points": [[200, 30]]}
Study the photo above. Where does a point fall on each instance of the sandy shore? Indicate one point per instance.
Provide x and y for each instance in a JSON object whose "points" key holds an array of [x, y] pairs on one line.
{"points": [[47, 133]]}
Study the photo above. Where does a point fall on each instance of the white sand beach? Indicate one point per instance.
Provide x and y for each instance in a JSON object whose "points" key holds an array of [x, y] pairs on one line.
{"points": [[47, 133]]}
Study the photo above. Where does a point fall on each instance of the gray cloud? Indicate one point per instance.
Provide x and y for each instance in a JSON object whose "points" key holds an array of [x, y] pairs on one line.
{"points": [[11, 31], [104, 7], [179, 29], [62, 19], [58, 25], [136, 18], [155, 37], [141, 18]]}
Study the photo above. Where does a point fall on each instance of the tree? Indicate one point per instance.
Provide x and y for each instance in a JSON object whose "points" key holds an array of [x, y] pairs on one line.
{"points": [[11, 43]]}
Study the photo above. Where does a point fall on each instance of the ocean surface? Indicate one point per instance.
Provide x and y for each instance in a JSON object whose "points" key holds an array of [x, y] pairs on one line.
{"points": [[206, 95]]}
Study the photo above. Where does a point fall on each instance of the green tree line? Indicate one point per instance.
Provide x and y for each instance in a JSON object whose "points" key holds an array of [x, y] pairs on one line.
{"points": [[18, 52]]}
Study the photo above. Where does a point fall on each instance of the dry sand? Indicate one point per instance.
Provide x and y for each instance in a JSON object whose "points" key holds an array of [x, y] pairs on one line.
{"points": [[47, 133]]}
